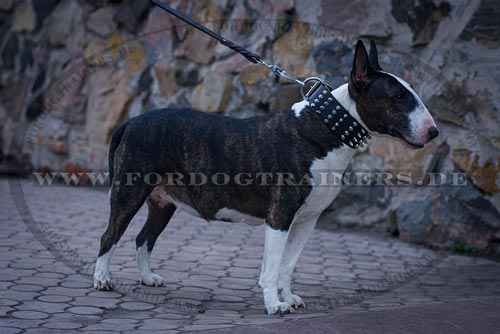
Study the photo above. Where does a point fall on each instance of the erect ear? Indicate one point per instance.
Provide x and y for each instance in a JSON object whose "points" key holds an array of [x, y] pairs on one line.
{"points": [[360, 67], [373, 56]]}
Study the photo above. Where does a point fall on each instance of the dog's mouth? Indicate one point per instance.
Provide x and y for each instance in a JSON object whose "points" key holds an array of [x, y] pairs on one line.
{"points": [[411, 145], [407, 143]]}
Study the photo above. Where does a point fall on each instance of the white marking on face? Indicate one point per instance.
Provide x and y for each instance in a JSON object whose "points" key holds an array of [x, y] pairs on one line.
{"points": [[238, 217], [420, 118], [298, 107]]}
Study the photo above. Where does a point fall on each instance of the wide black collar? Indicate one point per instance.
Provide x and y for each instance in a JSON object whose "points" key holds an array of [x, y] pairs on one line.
{"points": [[345, 127]]}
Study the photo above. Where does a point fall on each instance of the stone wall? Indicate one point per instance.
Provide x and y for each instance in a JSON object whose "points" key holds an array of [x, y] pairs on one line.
{"points": [[72, 71]]}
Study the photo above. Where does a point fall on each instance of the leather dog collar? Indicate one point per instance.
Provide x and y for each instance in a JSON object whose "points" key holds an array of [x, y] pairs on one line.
{"points": [[338, 119]]}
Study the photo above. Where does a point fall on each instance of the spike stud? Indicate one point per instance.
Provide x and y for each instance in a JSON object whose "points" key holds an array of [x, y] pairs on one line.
{"points": [[346, 133], [354, 123], [320, 96], [326, 121], [329, 116], [345, 115], [322, 108], [351, 128], [313, 105]]}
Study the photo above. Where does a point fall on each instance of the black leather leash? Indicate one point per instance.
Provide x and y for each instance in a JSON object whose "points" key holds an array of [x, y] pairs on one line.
{"points": [[334, 115]]}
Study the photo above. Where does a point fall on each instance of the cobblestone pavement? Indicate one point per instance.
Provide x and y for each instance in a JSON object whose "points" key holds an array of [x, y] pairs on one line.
{"points": [[47, 253]]}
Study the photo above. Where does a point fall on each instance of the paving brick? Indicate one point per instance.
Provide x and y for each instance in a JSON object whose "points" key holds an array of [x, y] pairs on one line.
{"points": [[31, 315]]}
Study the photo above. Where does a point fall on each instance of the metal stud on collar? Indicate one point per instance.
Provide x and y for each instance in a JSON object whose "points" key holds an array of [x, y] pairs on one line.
{"points": [[345, 127]]}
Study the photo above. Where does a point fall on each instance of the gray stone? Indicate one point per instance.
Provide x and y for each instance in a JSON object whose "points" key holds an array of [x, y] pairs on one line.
{"points": [[412, 219], [101, 22], [484, 26], [65, 21], [213, 94]]}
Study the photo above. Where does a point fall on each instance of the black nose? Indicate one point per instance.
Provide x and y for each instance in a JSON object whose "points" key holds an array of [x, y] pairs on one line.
{"points": [[433, 133]]}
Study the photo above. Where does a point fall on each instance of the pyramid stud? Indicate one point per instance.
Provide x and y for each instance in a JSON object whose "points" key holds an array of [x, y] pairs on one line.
{"points": [[356, 146], [322, 108], [320, 96], [333, 128], [330, 99], [362, 131], [325, 91], [318, 112], [316, 101], [337, 107], [342, 137], [346, 133], [337, 124], [354, 123], [350, 128], [326, 103], [329, 116], [333, 112], [313, 105], [326, 121], [345, 115]]}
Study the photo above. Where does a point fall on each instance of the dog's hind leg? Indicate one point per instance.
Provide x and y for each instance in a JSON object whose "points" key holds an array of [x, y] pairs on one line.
{"points": [[159, 215], [125, 201]]}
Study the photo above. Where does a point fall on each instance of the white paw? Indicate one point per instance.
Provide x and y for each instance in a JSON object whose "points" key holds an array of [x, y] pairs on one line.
{"points": [[152, 279], [102, 281], [279, 308], [293, 300]]}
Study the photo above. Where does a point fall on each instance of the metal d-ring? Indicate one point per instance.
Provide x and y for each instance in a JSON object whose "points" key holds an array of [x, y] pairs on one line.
{"points": [[317, 82]]}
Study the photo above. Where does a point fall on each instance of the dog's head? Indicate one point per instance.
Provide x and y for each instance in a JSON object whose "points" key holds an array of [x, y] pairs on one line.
{"points": [[386, 103]]}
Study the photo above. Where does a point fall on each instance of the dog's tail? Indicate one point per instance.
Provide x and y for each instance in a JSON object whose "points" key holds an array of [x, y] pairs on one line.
{"points": [[113, 145]]}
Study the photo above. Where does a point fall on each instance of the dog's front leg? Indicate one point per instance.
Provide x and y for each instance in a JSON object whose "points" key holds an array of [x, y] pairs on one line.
{"points": [[273, 250], [299, 233]]}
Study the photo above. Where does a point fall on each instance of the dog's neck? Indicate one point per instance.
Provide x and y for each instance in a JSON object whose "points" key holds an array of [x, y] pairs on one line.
{"points": [[342, 95]]}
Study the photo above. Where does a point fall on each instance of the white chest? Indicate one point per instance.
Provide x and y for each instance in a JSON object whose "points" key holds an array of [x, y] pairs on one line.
{"points": [[327, 181]]}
